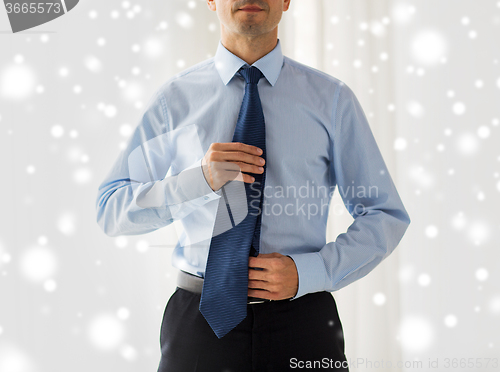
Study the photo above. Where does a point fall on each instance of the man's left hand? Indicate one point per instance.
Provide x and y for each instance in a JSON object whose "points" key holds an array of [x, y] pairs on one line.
{"points": [[277, 280]]}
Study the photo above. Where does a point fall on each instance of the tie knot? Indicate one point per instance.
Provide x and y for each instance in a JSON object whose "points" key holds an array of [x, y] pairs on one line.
{"points": [[251, 74]]}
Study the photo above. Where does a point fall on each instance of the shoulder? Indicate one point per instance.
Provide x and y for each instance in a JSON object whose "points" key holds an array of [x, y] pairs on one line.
{"points": [[312, 73], [201, 70], [318, 83], [182, 84]]}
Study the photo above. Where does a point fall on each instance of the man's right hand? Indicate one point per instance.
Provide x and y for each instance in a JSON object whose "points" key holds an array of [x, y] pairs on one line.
{"points": [[225, 162]]}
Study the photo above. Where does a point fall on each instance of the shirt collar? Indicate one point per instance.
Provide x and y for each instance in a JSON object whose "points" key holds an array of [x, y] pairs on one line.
{"points": [[228, 64]]}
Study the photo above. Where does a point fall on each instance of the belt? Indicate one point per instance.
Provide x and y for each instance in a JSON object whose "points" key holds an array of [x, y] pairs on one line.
{"points": [[193, 283]]}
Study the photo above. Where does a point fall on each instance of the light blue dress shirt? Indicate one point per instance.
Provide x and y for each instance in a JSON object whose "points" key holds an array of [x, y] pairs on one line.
{"points": [[317, 139]]}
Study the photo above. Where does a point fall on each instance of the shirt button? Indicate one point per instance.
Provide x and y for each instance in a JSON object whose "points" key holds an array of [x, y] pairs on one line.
{"points": [[170, 220], [206, 198]]}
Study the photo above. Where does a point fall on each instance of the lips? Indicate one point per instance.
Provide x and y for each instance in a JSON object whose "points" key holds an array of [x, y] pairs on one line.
{"points": [[251, 9]]}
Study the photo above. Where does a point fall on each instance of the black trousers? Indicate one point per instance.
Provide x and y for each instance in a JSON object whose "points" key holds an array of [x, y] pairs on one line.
{"points": [[305, 333]]}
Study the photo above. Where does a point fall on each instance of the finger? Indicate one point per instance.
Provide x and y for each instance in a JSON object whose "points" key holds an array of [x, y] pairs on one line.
{"points": [[267, 295], [259, 284], [236, 156], [248, 179], [241, 177], [227, 171], [231, 174], [259, 293], [258, 262], [249, 168], [237, 146], [257, 275], [223, 165], [235, 167]]}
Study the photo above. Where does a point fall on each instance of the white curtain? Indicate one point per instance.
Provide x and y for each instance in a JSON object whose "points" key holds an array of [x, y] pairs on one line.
{"points": [[426, 74], [71, 91], [326, 35]]}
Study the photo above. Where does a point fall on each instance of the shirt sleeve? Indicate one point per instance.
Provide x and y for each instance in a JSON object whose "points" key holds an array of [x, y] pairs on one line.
{"points": [[370, 196], [137, 196]]}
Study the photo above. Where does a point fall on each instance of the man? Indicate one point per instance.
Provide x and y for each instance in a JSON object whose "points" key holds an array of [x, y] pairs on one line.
{"points": [[243, 151]]}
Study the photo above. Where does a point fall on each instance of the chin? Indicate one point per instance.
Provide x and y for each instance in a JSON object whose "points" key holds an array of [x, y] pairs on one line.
{"points": [[251, 30]]}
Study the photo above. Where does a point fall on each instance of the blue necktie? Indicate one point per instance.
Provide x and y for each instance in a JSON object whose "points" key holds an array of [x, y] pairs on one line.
{"points": [[225, 287]]}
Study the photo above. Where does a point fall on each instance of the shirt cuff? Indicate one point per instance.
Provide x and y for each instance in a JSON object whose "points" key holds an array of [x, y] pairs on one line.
{"points": [[195, 185], [311, 272]]}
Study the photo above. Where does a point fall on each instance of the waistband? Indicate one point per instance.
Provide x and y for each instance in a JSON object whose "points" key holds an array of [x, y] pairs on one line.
{"points": [[194, 284]]}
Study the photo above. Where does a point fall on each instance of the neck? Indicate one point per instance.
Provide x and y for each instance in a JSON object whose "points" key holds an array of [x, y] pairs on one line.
{"points": [[249, 48]]}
